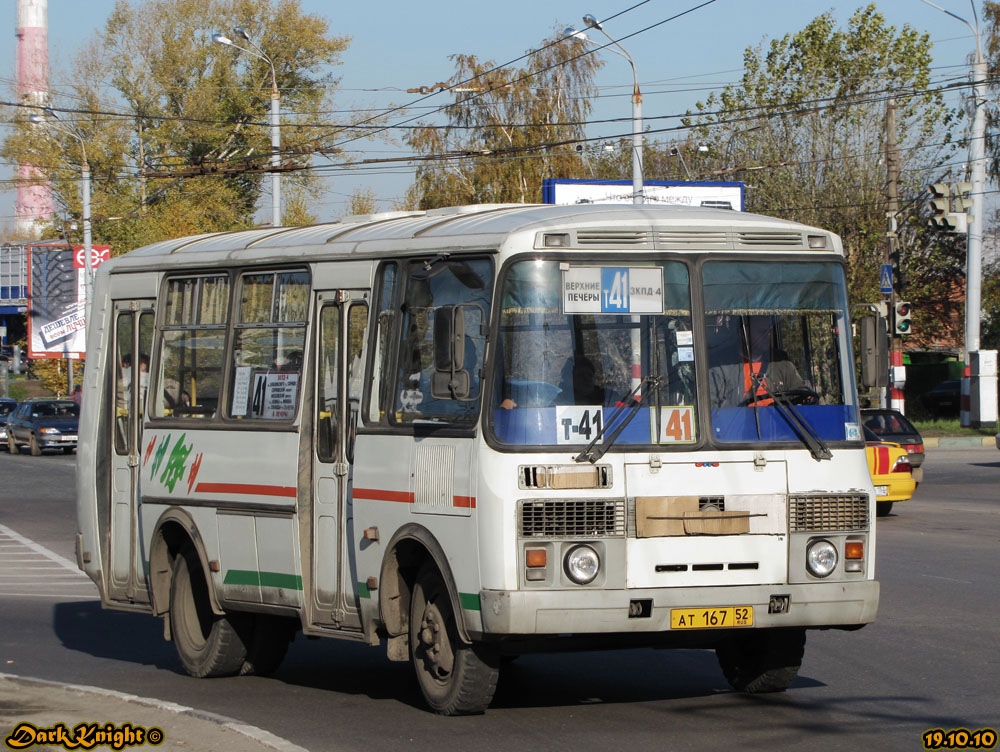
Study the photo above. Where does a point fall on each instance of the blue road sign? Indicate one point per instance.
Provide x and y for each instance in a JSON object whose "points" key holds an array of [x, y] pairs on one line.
{"points": [[885, 279]]}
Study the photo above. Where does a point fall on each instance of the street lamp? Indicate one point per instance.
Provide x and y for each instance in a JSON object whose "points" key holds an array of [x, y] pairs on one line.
{"points": [[88, 261], [977, 156], [257, 52], [638, 196]]}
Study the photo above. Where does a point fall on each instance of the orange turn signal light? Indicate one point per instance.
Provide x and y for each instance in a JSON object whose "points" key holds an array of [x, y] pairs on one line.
{"points": [[854, 550], [535, 557]]}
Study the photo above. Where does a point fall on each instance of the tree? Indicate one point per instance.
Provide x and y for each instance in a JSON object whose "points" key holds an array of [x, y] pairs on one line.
{"points": [[524, 122], [188, 109], [806, 129]]}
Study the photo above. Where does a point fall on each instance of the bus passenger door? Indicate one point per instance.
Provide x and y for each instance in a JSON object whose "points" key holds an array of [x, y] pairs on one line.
{"points": [[342, 319], [133, 341]]}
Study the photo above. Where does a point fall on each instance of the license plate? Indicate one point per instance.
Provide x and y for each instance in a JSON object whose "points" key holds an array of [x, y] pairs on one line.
{"points": [[881, 490], [69, 438], [710, 618]]}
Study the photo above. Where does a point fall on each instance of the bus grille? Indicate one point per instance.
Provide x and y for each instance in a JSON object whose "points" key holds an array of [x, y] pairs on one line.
{"points": [[826, 512], [571, 518]]}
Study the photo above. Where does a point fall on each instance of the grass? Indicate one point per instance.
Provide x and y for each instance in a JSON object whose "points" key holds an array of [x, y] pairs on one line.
{"points": [[949, 427], [21, 388]]}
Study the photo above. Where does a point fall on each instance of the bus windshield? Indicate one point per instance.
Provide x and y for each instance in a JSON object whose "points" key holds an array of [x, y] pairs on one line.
{"points": [[569, 357], [587, 347], [775, 335]]}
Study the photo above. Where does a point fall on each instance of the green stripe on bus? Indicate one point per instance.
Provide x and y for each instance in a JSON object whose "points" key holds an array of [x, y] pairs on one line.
{"points": [[469, 601], [263, 579], [363, 591]]}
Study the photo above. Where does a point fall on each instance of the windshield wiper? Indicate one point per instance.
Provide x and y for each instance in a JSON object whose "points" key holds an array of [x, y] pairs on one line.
{"points": [[807, 435], [592, 453]]}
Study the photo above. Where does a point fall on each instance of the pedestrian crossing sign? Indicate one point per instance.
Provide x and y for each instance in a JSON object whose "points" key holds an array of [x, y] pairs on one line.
{"points": [[885, 279]]}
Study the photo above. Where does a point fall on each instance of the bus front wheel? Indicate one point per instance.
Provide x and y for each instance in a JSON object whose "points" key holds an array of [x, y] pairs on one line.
{"points": [[455, 678], [208, 645], [764, 660]]}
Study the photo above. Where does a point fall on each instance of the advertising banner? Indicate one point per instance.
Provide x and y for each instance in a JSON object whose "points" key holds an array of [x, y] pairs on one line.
{"points": [[716, 195], [57, 299]]}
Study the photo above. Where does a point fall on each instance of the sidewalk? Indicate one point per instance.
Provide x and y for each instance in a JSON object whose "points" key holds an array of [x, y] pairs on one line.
{"points": [[959, 441], [46, 705]]}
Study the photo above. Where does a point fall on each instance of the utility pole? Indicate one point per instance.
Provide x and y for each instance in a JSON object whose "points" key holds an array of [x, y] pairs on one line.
{"points": [[979, 398], [891, 253]]}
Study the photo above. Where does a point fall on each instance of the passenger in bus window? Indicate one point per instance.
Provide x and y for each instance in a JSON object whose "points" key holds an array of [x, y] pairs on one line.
{"points": [[757, 370]]}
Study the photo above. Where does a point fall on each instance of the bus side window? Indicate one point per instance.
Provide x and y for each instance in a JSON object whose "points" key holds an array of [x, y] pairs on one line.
{"points": [[196, 313], [123, 380], [379, 396], [268, 344], [327, 405], [460, 289]]}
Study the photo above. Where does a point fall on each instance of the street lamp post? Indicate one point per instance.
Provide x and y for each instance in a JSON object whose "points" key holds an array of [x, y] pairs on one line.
{"points": [[638, 195], [275, 117], [977, 157], [88, 260]]}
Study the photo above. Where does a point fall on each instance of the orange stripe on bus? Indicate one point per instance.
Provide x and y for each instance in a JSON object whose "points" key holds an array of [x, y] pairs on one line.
{"points": [[248, 489], [405, 497]]}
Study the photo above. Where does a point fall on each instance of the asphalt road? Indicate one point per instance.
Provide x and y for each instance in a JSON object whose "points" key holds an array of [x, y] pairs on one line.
{"points": [[931, 660]]}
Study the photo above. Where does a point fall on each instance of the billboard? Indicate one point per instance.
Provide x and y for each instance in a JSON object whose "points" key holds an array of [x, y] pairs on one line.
{"points": [[57, 297], [680, 193]]}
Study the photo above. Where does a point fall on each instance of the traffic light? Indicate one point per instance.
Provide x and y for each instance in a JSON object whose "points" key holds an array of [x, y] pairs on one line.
{"points": [[941, 205], [901, 318], [898, 280], [940, 202]]}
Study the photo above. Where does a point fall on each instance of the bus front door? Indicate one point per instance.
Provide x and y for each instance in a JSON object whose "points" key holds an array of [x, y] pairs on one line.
{"points": [[342, 319], [133, 340]]}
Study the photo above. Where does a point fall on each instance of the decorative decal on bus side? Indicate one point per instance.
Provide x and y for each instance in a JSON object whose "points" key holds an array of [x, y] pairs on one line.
{"points": [[177, 467]]}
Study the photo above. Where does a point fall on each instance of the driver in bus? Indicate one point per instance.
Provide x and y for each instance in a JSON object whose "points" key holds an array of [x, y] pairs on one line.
{"points": [[759, 370]]}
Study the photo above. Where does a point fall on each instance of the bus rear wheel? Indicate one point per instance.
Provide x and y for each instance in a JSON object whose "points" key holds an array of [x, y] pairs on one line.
{"points": [[455, 678], [207, 645], [764, 660]]}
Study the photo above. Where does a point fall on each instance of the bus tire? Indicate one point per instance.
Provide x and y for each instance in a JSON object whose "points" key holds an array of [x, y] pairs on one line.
{"points": [[455, 678], [207, 645], [267, 645], [882, 508], [764, 660]]}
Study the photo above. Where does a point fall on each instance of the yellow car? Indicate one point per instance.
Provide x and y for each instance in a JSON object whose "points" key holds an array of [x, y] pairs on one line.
{"points": [[890, 469]]}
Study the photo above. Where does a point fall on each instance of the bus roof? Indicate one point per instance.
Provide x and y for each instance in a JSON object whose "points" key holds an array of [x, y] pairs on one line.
{"points": [[587, 226]]}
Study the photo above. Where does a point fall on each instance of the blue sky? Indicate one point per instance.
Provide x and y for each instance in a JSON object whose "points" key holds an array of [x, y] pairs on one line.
{"points": [[396, 46]]}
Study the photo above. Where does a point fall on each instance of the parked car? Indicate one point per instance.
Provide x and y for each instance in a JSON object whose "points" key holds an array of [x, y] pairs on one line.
{"points": [[889, 466], [43, 424], [944, 399], [7, 406], [892, 425]]}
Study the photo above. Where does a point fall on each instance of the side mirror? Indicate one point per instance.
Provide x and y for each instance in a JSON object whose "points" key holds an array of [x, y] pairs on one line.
{"points": [[874, 352], [449, 380]]}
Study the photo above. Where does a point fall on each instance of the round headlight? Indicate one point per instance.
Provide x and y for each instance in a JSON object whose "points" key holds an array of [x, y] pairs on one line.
{"points": [[582, 564], [821, 558]]}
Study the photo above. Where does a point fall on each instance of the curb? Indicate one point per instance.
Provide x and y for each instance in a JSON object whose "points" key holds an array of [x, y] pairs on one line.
{"points": [[258, 735], [959, 441]]}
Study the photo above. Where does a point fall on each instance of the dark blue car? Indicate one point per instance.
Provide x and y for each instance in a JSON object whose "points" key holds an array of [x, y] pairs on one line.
{"points": [[43, 424]]}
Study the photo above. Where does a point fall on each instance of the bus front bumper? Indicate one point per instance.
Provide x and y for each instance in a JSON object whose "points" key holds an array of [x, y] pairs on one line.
{"points": [[561, 612]]}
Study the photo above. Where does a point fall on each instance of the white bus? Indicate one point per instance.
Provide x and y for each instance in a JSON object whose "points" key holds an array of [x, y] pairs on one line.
{"points": [[476, 432]]}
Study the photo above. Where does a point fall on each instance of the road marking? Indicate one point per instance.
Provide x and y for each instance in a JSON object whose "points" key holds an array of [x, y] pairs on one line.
{"points": [[30, 570]]}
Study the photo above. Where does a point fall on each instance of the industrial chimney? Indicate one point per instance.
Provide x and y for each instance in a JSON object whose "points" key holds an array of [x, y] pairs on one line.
{"points": [[34, 202]]}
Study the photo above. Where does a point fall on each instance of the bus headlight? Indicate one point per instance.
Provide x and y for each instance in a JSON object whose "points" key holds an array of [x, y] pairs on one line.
{"points": [[582, 564], [821, 558]]}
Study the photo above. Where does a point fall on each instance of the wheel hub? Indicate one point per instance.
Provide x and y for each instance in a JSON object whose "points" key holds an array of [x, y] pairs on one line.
{"points": [[435, 643]]}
